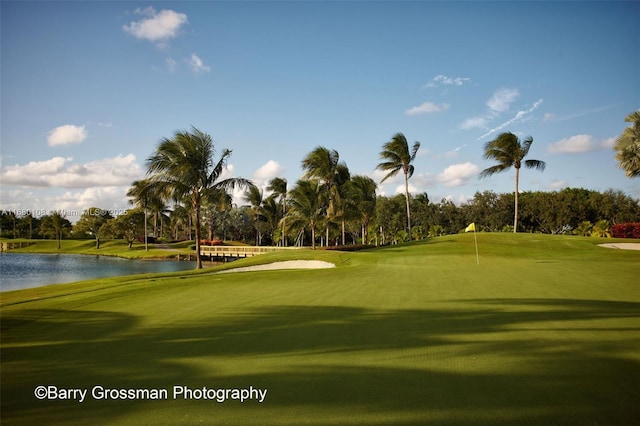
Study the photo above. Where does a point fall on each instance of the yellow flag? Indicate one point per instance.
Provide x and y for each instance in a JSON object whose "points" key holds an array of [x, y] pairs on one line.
{"points": [[471, 228]]}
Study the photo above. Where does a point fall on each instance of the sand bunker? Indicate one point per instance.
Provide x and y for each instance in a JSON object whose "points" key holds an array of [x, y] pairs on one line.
{"points": [[623, 246], [288, 264]]}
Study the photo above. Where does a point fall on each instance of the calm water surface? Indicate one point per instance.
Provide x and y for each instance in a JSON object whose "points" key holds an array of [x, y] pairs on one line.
{"points": [[19, 270]]}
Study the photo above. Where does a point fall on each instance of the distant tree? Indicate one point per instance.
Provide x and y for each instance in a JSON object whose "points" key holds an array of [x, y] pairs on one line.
{"points": [[325, 165], [141, 193], [127, 226], [362, 197], [55, 225], [183, 167], [509, 151], [92, 221], [270, 212], [390, 217], [627, 146], [26, 224], [397, 156], [307, 207], [279, 188], [253, 196]]}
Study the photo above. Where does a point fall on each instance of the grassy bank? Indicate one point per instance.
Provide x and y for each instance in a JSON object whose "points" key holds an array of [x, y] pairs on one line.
{"points": [[546, 330], [119, 248]]}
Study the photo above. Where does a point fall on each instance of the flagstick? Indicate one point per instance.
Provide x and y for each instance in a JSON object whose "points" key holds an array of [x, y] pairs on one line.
{"points": [[476, 240]]}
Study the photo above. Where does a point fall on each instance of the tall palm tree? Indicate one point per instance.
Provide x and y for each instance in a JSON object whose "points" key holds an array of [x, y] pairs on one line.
{"points": [[306, 200], [509, 152], [398, 157], [324, 164], [628, 146], [279, 188], [183, 166], [140, 192]]}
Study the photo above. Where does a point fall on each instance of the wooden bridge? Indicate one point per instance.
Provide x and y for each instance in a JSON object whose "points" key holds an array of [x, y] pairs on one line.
{"points": [[238, 251], [8, 245]]}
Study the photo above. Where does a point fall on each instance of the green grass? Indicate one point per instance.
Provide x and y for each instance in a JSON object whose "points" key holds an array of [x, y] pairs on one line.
{"points": [[546, 330], [118, 248]]}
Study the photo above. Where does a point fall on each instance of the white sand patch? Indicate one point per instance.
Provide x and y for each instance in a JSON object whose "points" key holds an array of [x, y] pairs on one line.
{"points": [[288, 264], [623, 246]]}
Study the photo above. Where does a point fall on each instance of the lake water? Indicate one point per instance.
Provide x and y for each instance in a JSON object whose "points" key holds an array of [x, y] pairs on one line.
{"points": [[19, 270]]}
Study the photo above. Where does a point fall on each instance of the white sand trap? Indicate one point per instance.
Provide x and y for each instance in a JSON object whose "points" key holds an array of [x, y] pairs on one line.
{"points": [[288, 264], [623, 246]]}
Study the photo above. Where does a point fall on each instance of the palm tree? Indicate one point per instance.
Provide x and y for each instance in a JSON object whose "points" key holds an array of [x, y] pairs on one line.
{"points": [[628, 146], [140, 192], [183, 166], [601, 229], [398, 157], [56, 224], [324, 164], [306, 200], [253, 196], [279, 188], [362, 194], [509, 151]]}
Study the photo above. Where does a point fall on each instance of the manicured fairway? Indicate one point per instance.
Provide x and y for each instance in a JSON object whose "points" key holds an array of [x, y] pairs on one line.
{"points": [[546, 330]]}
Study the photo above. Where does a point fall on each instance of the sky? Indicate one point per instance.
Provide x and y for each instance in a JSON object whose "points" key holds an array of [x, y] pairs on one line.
{"points": [[88, 90]]}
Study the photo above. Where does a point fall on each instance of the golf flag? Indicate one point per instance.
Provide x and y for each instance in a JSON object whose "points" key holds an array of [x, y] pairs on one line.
{"points": [[472, 228]]}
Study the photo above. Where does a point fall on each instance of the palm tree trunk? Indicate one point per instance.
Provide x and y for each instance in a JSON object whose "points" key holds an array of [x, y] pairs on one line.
{"points": [[406, 196], [146, 233], [196, 208], [515, 216]]}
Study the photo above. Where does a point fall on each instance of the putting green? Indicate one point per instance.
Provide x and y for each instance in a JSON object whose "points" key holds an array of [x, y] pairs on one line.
{"points": [[545, 330]]}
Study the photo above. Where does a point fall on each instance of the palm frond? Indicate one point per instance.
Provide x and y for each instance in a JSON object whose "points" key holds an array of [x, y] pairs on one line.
{"points": [[535, 164], [493, 170]]}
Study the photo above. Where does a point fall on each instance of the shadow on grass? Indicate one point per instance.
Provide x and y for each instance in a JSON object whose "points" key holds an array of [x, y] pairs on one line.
{"points": [[490, 361]]}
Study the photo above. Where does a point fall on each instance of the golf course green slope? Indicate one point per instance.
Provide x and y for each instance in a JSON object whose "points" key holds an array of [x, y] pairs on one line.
{"points": [[544, 330]]}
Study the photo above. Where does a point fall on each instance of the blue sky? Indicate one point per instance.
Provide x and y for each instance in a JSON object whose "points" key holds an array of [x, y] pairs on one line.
{"points": [[90, 88]]}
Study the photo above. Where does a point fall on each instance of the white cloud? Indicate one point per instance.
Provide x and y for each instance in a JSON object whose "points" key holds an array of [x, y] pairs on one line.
{"points": [[608, 143], [67, 134], [426, 108], [400, 189], [549, 117], [61, 172], [443, 80], [269, 170], [501, 99], [579, 143], [196, 64], [157, 26], [264, 174], [458, 174], [474, 122]]}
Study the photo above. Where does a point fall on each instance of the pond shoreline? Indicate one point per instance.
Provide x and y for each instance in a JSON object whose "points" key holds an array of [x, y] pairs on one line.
{"points": [[32, 269]]}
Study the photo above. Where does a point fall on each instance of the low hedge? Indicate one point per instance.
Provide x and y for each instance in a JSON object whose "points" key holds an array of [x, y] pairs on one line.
{"points": [[626, 230]]}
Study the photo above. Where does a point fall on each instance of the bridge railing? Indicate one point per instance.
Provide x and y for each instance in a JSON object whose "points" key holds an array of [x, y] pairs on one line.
{"points": [[240, 251]]}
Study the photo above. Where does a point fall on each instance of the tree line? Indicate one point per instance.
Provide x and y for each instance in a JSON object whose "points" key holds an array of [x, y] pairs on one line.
{"points": [[364, 219], [184, 197]]}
